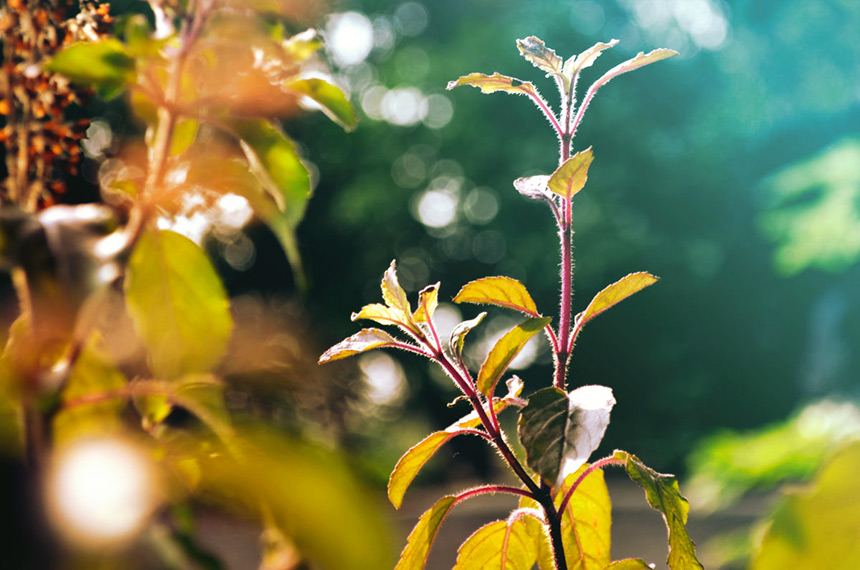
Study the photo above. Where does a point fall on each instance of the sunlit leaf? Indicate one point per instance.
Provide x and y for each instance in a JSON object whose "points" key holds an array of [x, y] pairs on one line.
{"points": [[534, 187], [184, 133], [383, 315], [500, 291], [641, 60], [586, 521], [177, 303], [331, 100], [302, 45], [104, 64], [504, 351], [393, 294], [588, 417], [614, 294], [534, 50], [575, 64], [538, 533], [664, 495], [571, 176], [428, 299], [629, 564], [499, 545], [362, 341], [495, 82], [816, 526], [414, 556], [458, 335]]}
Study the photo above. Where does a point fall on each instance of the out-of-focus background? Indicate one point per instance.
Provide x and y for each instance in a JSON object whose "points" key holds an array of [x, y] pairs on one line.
{"points": [[731, 171]]}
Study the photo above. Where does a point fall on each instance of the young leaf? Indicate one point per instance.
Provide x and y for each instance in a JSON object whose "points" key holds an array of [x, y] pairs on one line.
{"points": [[177, 303], [504, 351], [576, 64], [614, 294], [588, 417], [414, 556], [500, 291], [541, 428], [495, 82], [393, 294], [663, 495], [534, 50], [499, 545], [458, 335], [571, 176], [384, 316], [640, 60], [330, 99], [104, 64], [362, 341], [428, 299], [586, 521], [534, 187]]}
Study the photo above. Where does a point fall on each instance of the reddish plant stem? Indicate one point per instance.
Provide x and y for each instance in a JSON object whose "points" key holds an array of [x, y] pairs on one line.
{"points": [[600, 464], [484, 489], [562, 355]]}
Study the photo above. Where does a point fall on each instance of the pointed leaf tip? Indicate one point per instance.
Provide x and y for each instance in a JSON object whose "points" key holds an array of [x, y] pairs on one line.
{"points": [[535, 51], [362, 341], [504, 351], [571, 176], [500, 291]]}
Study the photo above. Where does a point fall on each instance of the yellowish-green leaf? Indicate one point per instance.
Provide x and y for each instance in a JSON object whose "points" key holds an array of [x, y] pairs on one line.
{"points": [[362, 341], [614, 294], [571, 176], [586, 521], [495, 82], [499, 545], [641, 60], [331, 100], [178, 304], [392, 293], [817, 526], [414, 556], [302, 45], [383, 315], [664, 495], [535, 51], [501, 291], [505, 350], [576, 64], [104, 64], [458, 335], [428, 300], [629, 564], [184, 133], [537, 531]]}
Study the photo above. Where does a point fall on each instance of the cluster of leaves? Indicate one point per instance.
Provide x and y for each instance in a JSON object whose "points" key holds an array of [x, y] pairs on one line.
{"points": [[563, 518], [196, 81]]}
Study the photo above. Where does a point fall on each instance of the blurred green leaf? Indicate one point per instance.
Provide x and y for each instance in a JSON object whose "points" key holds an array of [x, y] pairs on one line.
{"points": [[330, 98], [571, 176], [614, 294], [184, 134], [499, 545], [501, 291], [664, 495], [414, 556], [104, 64], [535, 51], [362, 341], [178, 304], [817, 527], [504, 351], [586, 521], [302, 45]]}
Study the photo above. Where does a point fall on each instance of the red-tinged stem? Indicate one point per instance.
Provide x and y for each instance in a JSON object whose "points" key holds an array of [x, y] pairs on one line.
{"points": [[484, 489], [589, 95], [563, 352], [553, 521], [477, 432], [600, 464], [548, 113]]}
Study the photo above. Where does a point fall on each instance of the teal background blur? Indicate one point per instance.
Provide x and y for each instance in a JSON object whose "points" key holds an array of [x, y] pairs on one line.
{"points": [[731, 171]]}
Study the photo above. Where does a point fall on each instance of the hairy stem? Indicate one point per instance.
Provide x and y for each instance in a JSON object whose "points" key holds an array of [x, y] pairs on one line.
{"points": [[562, 355], [600, 464]]}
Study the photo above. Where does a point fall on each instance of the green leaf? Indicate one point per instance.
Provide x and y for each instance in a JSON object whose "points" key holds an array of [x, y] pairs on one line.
{"points": [[816, 526], [104, 64], [331, 100], [629, 564], [184, 134], [302, 45], [495, 82], [458, 335], [634, 63], [504, 351], [538, 533], [383, 315], [663, 495], [501, 291], [614, 294], [177, 303], [586, 521], [541, 428], [362, 341], [275, 162], [499, 545], [428, 300], [571, 176], [414, 556], [542, 57]]}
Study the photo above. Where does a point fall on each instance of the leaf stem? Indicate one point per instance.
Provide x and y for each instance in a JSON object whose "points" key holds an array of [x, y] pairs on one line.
{"points": [[562, 353], [484, 489], [599, 464]]}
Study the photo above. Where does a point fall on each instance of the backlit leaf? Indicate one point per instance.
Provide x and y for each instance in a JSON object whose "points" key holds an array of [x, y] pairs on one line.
{"points": [[428, 299], [458, 335], [501, 291], [177, 303], [588, 417], [641, 60], [663, 495], [383, 315], [495, 82], [575, 64], [629, 564], [414, 556], [571, 176], [499, 545], [537, 531], [302, 45], [104, 64], [541, 430], [534, 187], [504, 351], [362, 341], [330, 98], [586, 521], [542, 57], [393, 294], [614, 294]]}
